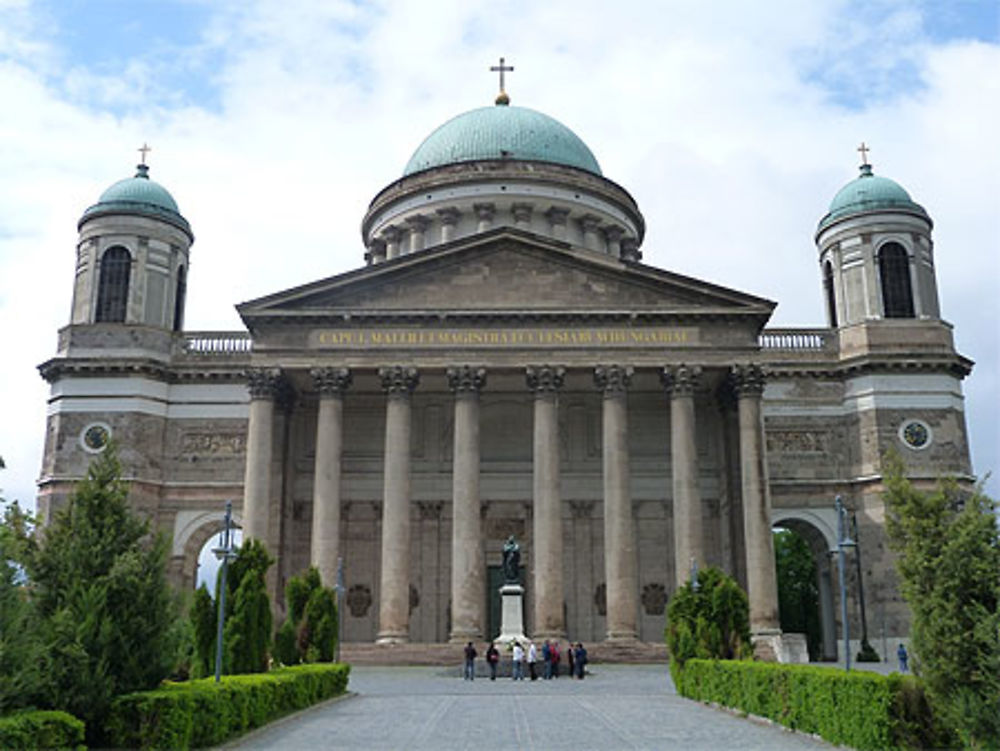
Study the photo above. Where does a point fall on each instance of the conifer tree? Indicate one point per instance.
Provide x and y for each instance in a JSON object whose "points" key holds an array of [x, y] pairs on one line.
{"points": [[247, 635], [103, 601], [949, 564]]}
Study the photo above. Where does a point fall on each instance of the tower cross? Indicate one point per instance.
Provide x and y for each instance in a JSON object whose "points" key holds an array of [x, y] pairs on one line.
{"points": [[501, 69], [144, 150], [864, 153]]}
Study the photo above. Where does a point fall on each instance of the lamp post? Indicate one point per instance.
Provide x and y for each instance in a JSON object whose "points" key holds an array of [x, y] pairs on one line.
{"points": [[694, 574], [340, 607], [843, 541], [224, 552]]}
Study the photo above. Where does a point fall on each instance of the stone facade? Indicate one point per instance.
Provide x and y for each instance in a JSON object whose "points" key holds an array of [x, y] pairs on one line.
{"points": [[623, 422]]}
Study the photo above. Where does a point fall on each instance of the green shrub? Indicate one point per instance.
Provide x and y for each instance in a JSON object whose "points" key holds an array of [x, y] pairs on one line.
{"points": [[709, 621], [309, 633], [857, 709], [203, 713], [41, 729]]}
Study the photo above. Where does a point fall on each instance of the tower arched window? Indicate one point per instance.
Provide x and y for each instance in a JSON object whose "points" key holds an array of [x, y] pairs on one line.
{"points": [[179, 294], [831, 299], [112, 289], [897, 292]]}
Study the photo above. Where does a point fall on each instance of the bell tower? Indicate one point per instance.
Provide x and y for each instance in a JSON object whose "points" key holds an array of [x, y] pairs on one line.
{"points": [[132, 256], [876, 255]]}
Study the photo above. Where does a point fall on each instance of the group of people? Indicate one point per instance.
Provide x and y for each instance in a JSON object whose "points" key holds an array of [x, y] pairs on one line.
{"points": [[550, 655]]}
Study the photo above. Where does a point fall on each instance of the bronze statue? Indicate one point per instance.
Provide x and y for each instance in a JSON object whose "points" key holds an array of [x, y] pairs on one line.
{"points": [[511, 561]]}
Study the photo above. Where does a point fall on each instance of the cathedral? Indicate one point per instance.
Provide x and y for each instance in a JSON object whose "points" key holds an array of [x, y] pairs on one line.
{"points": [[502, 362]]}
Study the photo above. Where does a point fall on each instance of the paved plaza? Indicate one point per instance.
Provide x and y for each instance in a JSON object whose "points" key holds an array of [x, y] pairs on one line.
{"points": [[616, 707]]}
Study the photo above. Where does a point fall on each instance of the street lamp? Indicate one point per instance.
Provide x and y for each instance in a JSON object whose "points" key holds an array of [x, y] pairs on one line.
{"points": [[340, 607], [224, 552], [843, 541], [694, 574]]}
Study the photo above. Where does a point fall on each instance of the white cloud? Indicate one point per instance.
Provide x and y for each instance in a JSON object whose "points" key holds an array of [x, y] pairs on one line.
{"points": [[718, 117]]}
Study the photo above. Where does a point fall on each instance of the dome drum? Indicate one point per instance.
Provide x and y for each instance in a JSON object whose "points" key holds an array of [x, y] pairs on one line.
{"points": [[448, 203]]}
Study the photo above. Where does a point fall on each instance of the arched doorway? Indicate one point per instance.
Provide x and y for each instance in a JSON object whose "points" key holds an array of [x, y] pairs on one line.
{"points": [[208, 564], [802, 546]]}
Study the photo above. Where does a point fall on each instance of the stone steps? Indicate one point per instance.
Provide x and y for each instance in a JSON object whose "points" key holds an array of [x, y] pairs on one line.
{"points": [[364, 653]]}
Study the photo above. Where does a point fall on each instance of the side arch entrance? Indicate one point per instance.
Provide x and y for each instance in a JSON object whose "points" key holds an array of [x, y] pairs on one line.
{"points": [[817, 532]]}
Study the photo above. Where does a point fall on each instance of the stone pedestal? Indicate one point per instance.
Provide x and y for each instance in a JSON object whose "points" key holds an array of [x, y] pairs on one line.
{"points": [[774, 646], [511, 614]]}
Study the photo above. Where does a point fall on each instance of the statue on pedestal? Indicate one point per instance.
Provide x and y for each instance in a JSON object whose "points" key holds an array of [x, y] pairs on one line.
{"points": [[511, 561]]}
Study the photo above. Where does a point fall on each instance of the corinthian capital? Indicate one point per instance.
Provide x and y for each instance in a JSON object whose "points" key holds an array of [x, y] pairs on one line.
{"points": [[747, 380], [466, 379], [545, 379], [331, 381], [399, 380], [612, 379], [680, 380], [264, 383]]}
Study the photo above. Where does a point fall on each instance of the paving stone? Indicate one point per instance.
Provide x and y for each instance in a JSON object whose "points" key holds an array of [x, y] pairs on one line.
{"points": [[615, 707]]}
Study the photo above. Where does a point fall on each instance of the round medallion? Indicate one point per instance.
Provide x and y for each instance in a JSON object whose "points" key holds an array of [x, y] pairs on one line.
{"points": [[916, 434], [95, 437]]}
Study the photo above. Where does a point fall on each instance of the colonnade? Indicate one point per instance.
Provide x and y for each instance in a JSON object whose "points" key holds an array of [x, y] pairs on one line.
{"points": [[468, 583]]}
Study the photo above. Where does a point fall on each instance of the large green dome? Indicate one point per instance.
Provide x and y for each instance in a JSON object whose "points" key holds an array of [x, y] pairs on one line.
{"points": [[869, 192], [138, 195], [502, 132]]}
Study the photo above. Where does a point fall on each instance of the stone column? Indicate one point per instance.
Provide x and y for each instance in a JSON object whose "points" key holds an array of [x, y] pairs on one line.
{"points": [[376, 252], [264, 384], [762, 584], [331, 383], [557, 222], [827, 617], [613, 237], [591, 224], [485, 213], [689, 540], [522, 215], [468, 572], [394, 598], [546, 550], [620, 551], [630, 250], [449, 218], [392, 236], [417, 225]]}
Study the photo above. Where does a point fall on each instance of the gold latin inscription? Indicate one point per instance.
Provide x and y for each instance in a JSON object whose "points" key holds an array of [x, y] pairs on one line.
{"points": [[501, 338]]}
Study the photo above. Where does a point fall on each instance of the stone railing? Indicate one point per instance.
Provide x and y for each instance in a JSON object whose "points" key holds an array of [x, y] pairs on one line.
{"points": [[797, 340], [215, 343]]}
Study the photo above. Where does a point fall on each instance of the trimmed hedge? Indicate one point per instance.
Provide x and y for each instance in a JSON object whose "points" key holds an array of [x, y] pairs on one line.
{"points": [[202, 713], [858, 709], [41, 729]]}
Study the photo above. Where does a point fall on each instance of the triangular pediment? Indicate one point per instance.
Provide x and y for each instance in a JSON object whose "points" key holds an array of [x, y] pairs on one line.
{"points": [[505, 272]]}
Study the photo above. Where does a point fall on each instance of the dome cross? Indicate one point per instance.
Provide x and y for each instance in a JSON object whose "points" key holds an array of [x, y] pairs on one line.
{"points": [[502, 97], [144, 149], [864, 154]]}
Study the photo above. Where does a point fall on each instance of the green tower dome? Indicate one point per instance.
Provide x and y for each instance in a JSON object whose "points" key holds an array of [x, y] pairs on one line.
{"points": [[869, 192], [138, 195], [502, 132]]}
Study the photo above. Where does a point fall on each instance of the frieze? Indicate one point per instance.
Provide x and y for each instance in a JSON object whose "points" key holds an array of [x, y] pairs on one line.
{"points": [[214, 444], [798, 442], [610, 337]]}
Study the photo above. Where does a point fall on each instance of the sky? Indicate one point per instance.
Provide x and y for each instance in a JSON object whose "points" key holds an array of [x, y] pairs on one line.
{"points": [[273, 124]]}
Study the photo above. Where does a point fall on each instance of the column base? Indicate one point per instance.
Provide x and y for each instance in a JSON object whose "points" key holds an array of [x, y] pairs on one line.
{"points": [[622, 637], [392, 637], [771, 645]]}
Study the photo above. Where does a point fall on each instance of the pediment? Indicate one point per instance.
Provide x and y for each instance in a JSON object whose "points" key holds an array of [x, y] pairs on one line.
{"points": [[506, 272]]}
